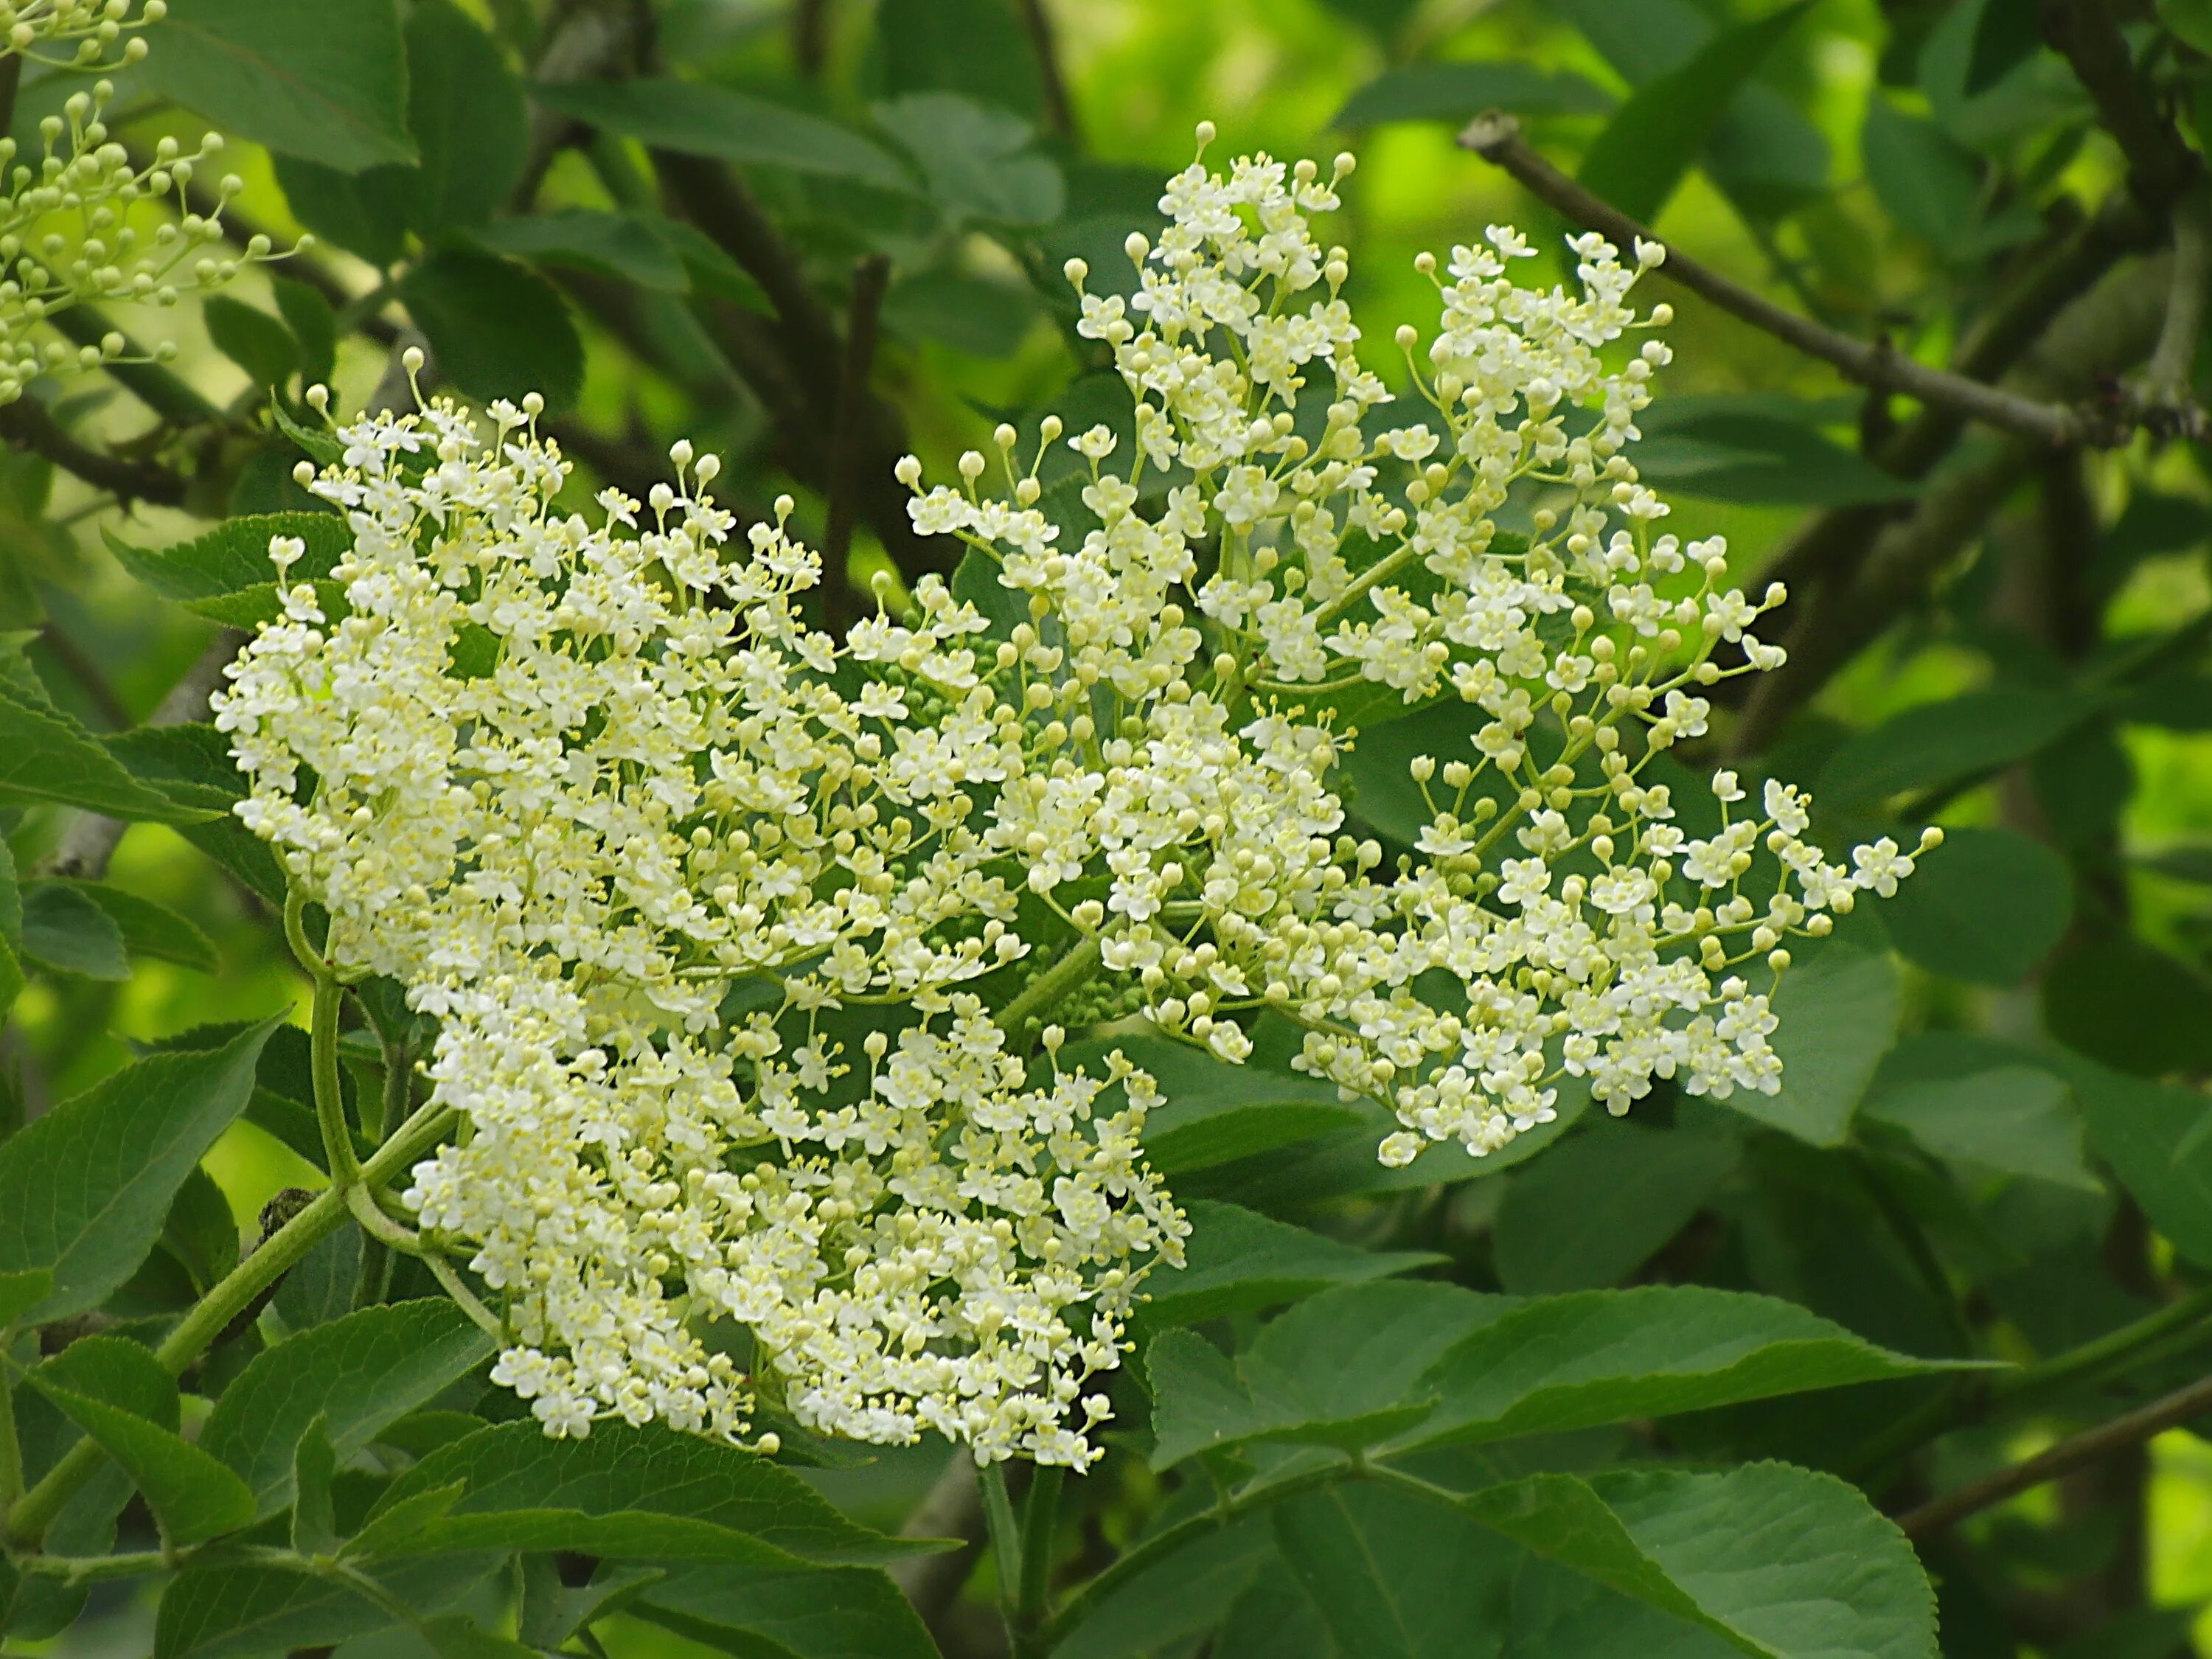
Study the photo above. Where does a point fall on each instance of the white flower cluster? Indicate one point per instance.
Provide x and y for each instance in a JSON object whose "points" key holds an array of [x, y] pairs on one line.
{"points": [[721, 918], [90, 29], [66, 238], [592, 790]]}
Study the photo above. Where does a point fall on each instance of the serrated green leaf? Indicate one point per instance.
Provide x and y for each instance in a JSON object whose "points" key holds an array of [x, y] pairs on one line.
{"points": [[1651, 141], [326, 82], [233, 556], [249, 1612], [1459, 92], [314, 1523], [1341, 1370], [21, 1289], [1839, 1008], [1214, 1111], [633, 247], [193, 1497], [696, 119], [1178, 1598], [115, 1371], [145, 928], [1236, 1260], [1557, 1614], [1648, 1184], [466, 111], [354, 1376], [395, 1524], [499, 329], [810, 1613], [1755, 449], [1395, 1576], [1781, 1562], [1940, 744], [65, 931], [976, 160], [83, 1190], [47, 755], [2017, 1120], [1594, 1357], [621, 1471]]}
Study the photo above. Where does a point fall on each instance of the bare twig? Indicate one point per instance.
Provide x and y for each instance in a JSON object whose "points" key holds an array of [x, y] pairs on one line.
{"points": [[1497, 138], [2130, 1429], [871, 276], [90, 840], [26, 424]]}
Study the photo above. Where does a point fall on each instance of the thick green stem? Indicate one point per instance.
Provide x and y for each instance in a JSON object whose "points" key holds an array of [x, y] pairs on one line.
{"points": [[1005, 1534], [35, 1510], [330, 1095], [1021, 1017], [11, 1449]]}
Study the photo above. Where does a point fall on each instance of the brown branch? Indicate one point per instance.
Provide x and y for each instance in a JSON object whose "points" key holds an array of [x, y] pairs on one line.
{"points": [[2087, 34], [2131, 1429], [26, 424], [2167, 394], [1497, 138], [871, 276]]}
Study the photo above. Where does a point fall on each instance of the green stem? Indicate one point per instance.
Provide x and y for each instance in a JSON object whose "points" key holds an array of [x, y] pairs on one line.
{"points": [[1040, 1524], [1019, 1017], [374, 1280], [90, 1569], [330, 1095], [35, 1510], [11, 1449], [1005, 1535]]}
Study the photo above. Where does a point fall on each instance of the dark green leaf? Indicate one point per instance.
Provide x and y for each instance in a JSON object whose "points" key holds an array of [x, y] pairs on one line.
{"points": [[1651, 143], [200, 1231], [619, 1470], [115, 1371], [193, 1497], [806, 1612], [47, 755], [1176, 1599], [22, 1289], [1340, 1370], [2013, 1119], [252, 1612], [84, 1188], [191, 764], [1757, 449], [1560, 1615], [1236, 1260], [1925, 180], [499, 329], [1571, 1362], [1987, 906], [234, 557], [2155, 1137], [315, 1522], [2005, 37], [65, 931], [257, 342], [973, 314], [364, 213], [1942, 744], [1396, 1576], [1215, 1111], [456, 1635], [326, 83], [147, 929], [1459, 92], [465, 108], [632, 247], [976, 160], [2130, 1005], [1783, 1563], [696, 120], [314, 328], [354, 1376], [977, 47], [1647, 1183], [1838, 1006]]}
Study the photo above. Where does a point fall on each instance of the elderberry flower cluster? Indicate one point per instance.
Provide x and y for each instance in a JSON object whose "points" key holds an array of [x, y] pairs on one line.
{"points": [[67, 239], [90, 30], [744, 943]]}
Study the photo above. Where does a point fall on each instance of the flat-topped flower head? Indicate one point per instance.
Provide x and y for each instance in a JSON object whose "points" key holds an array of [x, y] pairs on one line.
{"points": [[739, 937]]}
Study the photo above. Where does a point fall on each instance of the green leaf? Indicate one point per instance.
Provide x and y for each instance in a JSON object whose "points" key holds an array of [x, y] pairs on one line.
{"points": [[1925, 180], [147, 929], [2016, 1119], [974, 315], [1559, 1615], [2156, 1138], [1176, 1598], [354, 1376], [1737, 447], [257, 342], [314, 328], [631, 247], [1596, 1357], [976, 160], [193, 1498], [234, 557], [2130, 1005], [1647, 1183], [21, 1291], [47, 755], [2005, 37], [1783, 1563], [1459, 92], [2188, 21], [456, 1635], [252, 1612], [623, 1472], [326, 83], [1987, 906], [696, 119], [1215, 1111], [809, 1613], [466, 108], [1939, 745], [1396, 1576], [1341, 1370], [499, 329], [364, 213], [314, 1522], [83, 1190], [190, 765], [115, 1371], [978, 47], [65, 931], [1838, 1006], [1237, 1260], [1651, 143]]}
